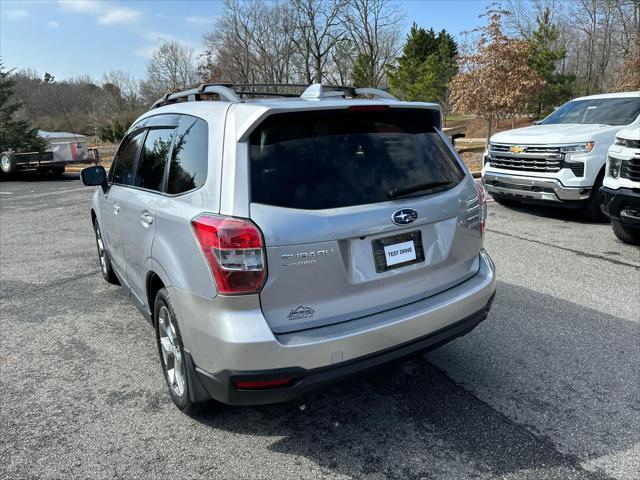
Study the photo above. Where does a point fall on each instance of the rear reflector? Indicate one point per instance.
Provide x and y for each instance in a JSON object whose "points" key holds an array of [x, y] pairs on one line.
{"points": [[280, 382], [234, 250]]}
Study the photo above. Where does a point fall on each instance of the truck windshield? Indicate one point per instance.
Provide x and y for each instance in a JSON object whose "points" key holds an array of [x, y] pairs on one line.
{"points": [[338, 158], [607, 111]]}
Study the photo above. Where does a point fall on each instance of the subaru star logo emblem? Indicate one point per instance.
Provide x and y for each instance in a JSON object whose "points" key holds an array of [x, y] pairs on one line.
{"points": [[404, 216]]}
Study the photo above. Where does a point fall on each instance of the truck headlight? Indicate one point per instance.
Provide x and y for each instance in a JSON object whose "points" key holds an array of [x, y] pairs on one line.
{"points": [[578, 148], [614, 165]]}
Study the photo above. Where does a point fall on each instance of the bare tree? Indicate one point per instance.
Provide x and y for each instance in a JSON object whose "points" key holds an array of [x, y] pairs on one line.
{"points": [[317, 33], [252, 42], [375, 27], [172, 67], [128, 87]]}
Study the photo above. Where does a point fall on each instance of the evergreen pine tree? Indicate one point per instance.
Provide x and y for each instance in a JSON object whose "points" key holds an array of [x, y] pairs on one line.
{"points": [[426, 66], [545, 55], [15, 135]]}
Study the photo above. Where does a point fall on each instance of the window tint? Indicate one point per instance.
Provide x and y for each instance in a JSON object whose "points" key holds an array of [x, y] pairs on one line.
{"points": [[608, 111], [330, 159], [190, 156], [122, 169], [153, 159]]}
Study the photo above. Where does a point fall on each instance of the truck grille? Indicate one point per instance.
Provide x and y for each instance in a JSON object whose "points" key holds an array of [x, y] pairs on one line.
{"points": [[527, 158], [631, 169]]}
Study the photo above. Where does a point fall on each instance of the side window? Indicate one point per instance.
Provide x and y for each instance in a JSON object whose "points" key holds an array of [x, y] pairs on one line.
{"points": [[122, 169], [153, 159], [189, 159]]}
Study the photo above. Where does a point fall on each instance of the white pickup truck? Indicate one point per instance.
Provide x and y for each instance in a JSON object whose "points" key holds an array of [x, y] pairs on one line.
{"points": [[621, 190], [561, 160]]}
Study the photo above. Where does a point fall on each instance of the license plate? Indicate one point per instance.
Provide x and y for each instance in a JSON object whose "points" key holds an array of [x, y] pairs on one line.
{"points": [[397, 251]]}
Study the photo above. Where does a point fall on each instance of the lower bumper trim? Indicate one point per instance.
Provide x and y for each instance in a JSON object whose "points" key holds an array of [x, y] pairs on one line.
{"points": [[220, 385], [622, 204], [532, 188]]}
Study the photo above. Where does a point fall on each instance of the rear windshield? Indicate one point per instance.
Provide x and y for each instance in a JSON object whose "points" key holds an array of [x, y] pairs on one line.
{"points": [[338, 158]]}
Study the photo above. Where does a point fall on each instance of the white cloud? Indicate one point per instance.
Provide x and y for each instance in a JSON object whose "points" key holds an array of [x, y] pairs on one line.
{"points": [[155, 39], [119, 15], [106, 13], [85, 6], [16, 14], [200, 20], [53, 24]]}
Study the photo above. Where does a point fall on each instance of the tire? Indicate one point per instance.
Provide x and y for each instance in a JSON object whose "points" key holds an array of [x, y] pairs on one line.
{"points": [[7, 162], [171, 351], [593, 212], [103, 255], [626, 234]]}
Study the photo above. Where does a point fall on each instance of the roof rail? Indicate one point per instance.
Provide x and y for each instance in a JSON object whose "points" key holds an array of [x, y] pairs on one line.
{"points": [[193, 94], [317, 91], [233, 93]]}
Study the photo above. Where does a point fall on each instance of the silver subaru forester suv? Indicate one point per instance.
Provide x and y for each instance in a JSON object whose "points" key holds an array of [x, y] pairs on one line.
{"points": [[279, 244]]}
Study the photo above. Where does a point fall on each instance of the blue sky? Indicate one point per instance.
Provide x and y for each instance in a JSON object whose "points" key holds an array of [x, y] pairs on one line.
{"points": [[70, 38]]}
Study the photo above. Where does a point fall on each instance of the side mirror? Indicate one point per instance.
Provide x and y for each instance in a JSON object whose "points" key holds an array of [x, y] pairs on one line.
{"points": [[94, 177], [537, 122]]}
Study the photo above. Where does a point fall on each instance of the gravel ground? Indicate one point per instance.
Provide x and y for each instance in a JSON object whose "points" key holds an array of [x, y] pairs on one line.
{"points": [[548, 387]]}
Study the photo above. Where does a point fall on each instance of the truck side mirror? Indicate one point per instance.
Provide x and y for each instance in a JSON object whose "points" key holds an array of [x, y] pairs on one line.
{"points": [[94, 177], [537, 122]]}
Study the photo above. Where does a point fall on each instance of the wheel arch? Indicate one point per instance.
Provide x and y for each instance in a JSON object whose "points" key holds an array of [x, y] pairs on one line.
{"points": [[156, 279]]}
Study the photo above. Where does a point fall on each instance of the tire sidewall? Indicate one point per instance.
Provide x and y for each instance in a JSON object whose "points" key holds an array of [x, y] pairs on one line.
{"points": [[163, 299], [12, 163], [108, 275]]}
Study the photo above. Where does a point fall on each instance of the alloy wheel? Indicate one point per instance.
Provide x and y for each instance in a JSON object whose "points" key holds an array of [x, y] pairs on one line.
{"points": [[171, 353]]}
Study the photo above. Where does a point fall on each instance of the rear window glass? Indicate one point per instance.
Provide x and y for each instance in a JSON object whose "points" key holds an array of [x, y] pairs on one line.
{"points": [[338, 158], [153, 159], [188, 168]]}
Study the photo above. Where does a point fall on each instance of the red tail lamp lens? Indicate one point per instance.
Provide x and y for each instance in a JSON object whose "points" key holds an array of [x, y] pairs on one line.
{"points": [[234, 250]]}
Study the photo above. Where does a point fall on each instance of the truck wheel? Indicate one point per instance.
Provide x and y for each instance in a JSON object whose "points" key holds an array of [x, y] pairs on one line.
{"points": [[593, 211], [7, 162], [172, 356], [626, 234], [105, 261]]}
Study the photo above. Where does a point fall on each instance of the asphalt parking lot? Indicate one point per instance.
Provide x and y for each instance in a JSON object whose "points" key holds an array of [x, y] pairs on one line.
{"points": [[547, 387]]}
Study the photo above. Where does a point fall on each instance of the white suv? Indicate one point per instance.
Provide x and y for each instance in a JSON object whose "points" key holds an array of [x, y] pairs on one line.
{"points": [[621, 191], [279, 244], [561, 160]]}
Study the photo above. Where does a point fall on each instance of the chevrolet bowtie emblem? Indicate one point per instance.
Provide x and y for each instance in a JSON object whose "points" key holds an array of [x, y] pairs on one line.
{"points": [[517, 149]]}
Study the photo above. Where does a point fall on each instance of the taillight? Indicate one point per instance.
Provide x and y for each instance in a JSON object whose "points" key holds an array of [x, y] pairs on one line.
{"points": [[482, 200], [234, 250]]}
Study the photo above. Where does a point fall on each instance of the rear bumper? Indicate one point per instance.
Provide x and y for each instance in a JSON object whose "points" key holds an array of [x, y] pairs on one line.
{"points": [[622, 204], [238, 345], [220, 385], [533, 188]]}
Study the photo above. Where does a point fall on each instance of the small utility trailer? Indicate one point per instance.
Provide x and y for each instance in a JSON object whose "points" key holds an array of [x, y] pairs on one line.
{"points": [[64, 149]]}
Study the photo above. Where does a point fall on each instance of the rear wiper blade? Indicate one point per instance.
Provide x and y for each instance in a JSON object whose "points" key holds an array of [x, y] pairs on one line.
{"points": [[400, 191]]}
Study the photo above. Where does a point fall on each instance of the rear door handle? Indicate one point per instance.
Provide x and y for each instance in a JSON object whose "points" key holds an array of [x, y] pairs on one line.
{"points": [[146, 219], [116, 208]]}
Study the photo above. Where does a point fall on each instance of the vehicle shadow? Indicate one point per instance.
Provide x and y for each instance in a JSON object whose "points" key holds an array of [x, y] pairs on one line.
{"points": [[556, 213], [522, 375]]}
